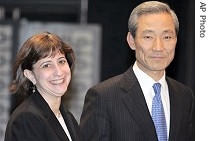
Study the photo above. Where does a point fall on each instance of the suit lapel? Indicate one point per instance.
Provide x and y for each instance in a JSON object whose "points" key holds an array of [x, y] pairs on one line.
{"points": [[175, 112], [136, 104]]}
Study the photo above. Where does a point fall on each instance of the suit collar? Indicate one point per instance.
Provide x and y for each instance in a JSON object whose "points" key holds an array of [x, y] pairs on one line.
{"points": [[136, 104], [175, 112]]}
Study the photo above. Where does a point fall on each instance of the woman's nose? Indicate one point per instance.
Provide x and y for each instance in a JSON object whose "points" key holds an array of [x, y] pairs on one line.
{"points": [[57, 70]]}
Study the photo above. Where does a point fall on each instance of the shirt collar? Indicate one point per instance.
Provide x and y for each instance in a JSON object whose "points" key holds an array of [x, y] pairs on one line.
{"points": [[145, 81]]}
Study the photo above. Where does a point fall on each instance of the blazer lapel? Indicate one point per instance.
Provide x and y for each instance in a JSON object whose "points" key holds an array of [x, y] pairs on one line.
{"points": [[69, 123], [56, 126], [135, 102], [44, 108]]}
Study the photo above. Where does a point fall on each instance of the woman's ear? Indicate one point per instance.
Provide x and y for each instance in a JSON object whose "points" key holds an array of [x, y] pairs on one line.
{"points": [[130, 40], [29, 74]]}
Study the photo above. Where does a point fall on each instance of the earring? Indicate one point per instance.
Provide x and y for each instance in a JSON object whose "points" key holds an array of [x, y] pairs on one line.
{"points": [[33, 88]]}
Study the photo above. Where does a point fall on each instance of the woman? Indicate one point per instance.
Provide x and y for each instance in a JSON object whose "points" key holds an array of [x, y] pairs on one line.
{"points": [[42, 70]]}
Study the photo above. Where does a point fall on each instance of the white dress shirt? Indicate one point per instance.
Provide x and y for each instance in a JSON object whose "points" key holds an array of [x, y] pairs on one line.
{"points": [[63, 124], [146, 83]]}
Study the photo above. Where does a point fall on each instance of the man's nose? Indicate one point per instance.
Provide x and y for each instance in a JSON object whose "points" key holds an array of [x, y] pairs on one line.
{"points": [[158, 46]]}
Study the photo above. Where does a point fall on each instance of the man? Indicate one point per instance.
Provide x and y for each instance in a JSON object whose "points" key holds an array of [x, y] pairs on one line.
{"points": [[122, 108]]}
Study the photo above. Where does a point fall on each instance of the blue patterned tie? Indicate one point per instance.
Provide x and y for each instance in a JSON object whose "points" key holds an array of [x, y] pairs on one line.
{"points": [[158, 115]]}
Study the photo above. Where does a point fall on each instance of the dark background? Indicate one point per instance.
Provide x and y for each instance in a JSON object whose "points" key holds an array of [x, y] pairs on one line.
{"points": [[116, 54], [112, 15]]}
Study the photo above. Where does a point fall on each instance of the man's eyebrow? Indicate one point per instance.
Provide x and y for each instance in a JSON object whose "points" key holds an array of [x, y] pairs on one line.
{"points": [[168, 31], [147, 31]]}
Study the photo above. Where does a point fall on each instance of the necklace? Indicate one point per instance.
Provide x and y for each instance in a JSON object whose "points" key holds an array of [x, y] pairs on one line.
{"points": [[58, 115]]}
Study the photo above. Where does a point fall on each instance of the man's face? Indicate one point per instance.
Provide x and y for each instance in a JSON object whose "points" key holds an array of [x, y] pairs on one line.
{"points": [[155, 42]]}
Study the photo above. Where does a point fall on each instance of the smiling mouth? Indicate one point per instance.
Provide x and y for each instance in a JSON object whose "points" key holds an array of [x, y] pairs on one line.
{"points": [[57, 81]]}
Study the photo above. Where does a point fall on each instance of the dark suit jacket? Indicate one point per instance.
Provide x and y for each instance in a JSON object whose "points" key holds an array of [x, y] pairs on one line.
{"points": [[33, 120], [116, 110]]}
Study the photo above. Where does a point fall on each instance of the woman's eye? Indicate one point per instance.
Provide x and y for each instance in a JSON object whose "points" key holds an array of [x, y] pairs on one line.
{"points": [[46, 66], [62, 61]]}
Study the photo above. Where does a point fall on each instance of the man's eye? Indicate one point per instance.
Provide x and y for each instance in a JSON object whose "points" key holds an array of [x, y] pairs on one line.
{"points": [[167, 37], [148, 37]]}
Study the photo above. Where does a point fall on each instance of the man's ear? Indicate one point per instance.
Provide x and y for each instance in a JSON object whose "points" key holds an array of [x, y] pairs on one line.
{"points": [[130, 40], [29, 74]]}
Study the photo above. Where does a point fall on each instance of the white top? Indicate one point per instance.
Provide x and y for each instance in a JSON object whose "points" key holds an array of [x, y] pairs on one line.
{"points": [[63, 124], [146, 83]]}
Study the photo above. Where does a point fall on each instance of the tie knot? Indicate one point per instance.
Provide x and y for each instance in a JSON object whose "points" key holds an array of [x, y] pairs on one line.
{"points": [[156, 88]]}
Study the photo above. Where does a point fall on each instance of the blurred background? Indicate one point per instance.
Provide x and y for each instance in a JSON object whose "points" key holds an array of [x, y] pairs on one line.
{"points": [[96, 29]]}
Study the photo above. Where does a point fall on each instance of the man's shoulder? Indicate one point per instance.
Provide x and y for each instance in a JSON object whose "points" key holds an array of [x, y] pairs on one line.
{"points": [[111, 81], [177, 84]]}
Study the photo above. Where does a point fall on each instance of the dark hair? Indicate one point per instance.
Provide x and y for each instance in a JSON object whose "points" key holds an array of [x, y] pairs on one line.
{"points": [[35, 48]]}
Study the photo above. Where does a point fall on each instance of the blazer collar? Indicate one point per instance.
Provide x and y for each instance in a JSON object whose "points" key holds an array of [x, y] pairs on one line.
{"points": [[45, 110]]}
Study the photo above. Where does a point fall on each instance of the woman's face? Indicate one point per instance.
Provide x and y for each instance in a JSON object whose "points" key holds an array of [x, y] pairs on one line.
{"points": [[51, 75]]}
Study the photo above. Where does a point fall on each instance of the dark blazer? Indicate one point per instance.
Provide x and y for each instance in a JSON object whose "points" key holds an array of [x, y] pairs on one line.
{"points": [[116, 110], [33, 120]]}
